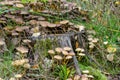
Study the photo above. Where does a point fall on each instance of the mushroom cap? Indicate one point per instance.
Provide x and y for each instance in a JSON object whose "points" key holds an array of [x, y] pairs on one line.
{"points": [[71, 54], [67, 48], [86, 71], [26, 41], [58, 57], [51, 51], [58, 49], [68, 57], [90, 76], [18, 75], [81, 54], [65, 52], [22, 49]]}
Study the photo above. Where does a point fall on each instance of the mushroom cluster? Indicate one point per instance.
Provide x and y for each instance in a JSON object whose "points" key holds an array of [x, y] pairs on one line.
{"points": [[62, 55], [92, 41]]}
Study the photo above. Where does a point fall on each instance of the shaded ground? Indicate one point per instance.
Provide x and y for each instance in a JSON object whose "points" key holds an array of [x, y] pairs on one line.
{"points": [[23, 24]]}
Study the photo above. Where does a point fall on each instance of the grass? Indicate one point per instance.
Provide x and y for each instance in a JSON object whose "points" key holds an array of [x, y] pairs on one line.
{"points": [[107, 28], [96, 73]]}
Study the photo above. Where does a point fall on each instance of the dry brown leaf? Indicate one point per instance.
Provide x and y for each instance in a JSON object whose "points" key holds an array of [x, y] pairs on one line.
{"points": [[35, 66], [22, 49]]}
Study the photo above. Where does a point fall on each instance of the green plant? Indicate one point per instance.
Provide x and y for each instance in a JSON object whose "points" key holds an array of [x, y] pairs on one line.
{"points": [[95, 72], [63, 72], [27, 1]]}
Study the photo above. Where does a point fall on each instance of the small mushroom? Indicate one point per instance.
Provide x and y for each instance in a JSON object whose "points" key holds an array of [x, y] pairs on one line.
{"points": [[67, 48], [78, 49], [85, 72], [95, 40], [19, 5], [90, 76], [12, 78], [71, 54], [27, 66], [81, 54], [76, 77], [18, 76], [22, 49], [51, 25], [64, 22], [51, 52], [64, 52], [2, 42], [27, 41], [58, 57], [58, 50], [14, 33], [68, 57]]}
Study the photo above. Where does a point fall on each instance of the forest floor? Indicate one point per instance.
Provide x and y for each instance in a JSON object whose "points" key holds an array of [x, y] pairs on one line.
{"points": [[59, 40]]}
